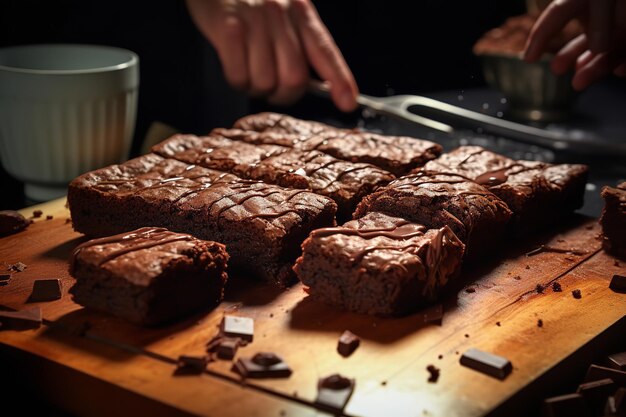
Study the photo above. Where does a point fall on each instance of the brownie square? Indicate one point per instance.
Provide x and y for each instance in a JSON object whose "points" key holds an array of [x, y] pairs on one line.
{"points": [[262, 225], [613, 220], [472, 212], [378, 264], [343, 181], [149, 276], [215, 152], [396, 154], [539, 194]]}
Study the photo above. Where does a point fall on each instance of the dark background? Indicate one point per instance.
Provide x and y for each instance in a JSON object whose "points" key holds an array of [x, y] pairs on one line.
{"points": [[391, 46]]}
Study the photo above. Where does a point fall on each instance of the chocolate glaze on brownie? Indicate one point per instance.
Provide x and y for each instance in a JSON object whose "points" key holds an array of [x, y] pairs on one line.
{"points": [[262, 225], [396, 154], [613, 220], [538, 193], [379, 264], [343, 181], [435, 200], [149, 276]]}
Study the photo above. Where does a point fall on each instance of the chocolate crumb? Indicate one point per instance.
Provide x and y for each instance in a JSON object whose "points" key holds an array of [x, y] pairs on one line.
{"points": [[539, 288], [556, 287], [498, 323], [49, 217], [434, 373], [383, 383], [466, 335], [577, 294], [271, 315], [17, 267], [440, 357], [517, 277], [527, 266], [456, 352], [470, 290], [539, 323], [37, 213]]}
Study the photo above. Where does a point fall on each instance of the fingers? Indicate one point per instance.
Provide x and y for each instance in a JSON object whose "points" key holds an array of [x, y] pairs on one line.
{"points": [[600, 24], [260, 50], [292, 70], [324, 55], [596, 68], [567, 57], [231, 48], [551, 21]]}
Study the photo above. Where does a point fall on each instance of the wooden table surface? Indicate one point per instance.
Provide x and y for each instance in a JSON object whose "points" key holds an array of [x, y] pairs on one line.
{"points": [[119, 368]]}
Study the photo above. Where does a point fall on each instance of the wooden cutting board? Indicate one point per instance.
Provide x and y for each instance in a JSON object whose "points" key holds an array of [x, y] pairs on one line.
{"points": [[115, 367]]}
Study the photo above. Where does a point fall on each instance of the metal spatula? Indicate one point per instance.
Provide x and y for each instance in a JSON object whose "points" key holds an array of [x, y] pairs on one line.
{"points": [[398, 106]]}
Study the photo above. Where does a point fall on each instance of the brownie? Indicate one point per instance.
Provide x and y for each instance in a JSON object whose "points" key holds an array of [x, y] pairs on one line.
{"points": [[396, 154], [149, 276], [379, 265], [539, 194], [510, 37], [613, 220], [474, 214], [215, 152], [343, 181], [12, 222], [262, 225]]}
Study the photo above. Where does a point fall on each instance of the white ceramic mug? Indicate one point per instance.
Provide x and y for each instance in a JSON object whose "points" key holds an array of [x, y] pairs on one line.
{"points": [[64, 110]]}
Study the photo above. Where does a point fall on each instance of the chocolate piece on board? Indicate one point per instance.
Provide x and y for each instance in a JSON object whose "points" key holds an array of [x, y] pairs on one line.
{"points": [[487, 363]]}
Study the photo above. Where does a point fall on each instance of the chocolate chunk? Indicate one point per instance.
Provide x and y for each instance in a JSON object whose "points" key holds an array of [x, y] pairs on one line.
{"points": [[12, 222], [17, 267], [433, 314], [434, 373], [618, 361], [21, 320], [596, 373], [262, 365], [539, 323], [191, 364], [46, 290], [577, 294], [227, 348], [619, 400], [333, 392], [569, 405], [37, 213], [556, 287], [348, 342], [618, 283], [236, 326], [487, 363], [49, 217], [539, 288], [596, 393]]}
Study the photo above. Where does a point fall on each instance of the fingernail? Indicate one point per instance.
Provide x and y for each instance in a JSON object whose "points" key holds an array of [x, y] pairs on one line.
{"points": [[347, 101]]}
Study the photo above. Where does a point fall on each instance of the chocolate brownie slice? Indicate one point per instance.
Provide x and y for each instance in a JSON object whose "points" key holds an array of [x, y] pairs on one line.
{"points": [[343, 181], [379, 264], [538, 193], [262, 225], [149, 276], [613, 220], [215, 152], [435, 200], [396, 154]]}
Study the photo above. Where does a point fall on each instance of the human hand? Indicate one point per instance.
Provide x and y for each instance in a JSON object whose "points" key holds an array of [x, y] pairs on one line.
{"points": [[267, 46], [598, 52]]}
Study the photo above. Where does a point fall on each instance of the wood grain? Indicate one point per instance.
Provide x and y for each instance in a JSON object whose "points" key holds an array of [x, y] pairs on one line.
{"points": [[389, 366]]}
